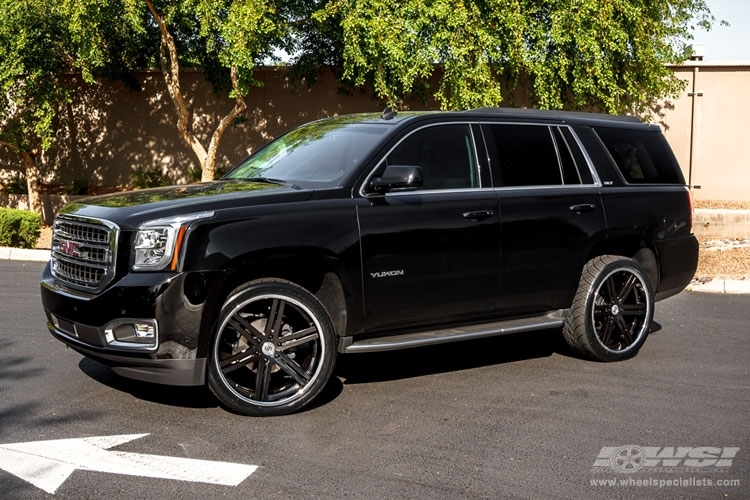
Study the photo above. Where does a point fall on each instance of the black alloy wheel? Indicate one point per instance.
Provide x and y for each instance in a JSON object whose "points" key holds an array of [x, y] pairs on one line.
{"points": [[273, 350], [612, 311]]}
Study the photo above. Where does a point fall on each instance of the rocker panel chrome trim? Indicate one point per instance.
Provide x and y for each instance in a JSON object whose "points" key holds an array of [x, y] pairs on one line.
{"points": [[550, 319]]}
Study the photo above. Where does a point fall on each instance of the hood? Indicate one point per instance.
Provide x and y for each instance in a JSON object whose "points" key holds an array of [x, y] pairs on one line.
{"points": [[132, 207]]}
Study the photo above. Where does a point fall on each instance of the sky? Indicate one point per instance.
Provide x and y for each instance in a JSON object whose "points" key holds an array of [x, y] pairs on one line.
{"points": [[724, 43]]}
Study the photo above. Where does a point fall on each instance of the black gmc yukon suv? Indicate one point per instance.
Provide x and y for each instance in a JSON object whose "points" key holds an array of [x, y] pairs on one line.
{"points": [[369, 233]]}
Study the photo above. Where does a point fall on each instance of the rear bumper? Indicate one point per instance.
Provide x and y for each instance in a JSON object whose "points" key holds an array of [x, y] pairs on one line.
{"points": [[678, 260]]}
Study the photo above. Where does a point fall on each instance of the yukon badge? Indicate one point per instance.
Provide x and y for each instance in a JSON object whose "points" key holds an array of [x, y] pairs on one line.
{"points": [[388, 274]]}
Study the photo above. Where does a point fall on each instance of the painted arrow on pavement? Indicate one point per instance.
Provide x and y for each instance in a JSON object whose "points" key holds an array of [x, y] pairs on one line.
{"points": [[47, 464]]}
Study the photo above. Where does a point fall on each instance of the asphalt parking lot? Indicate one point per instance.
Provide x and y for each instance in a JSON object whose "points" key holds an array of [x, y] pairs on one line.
{"points": [[509, 417]]}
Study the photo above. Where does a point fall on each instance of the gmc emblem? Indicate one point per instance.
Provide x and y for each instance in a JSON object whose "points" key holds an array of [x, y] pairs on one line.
{"points": [[69, 247]]}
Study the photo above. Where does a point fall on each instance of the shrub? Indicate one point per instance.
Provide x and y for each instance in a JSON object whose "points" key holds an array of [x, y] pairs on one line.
{"points": [[19, 228], [194, 174], [16, 184], [77, 186], [143, 178]]}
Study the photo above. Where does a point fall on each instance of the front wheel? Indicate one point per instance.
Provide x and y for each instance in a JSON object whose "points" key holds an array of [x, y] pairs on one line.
{"points": [[612, 310], [273, 349]]}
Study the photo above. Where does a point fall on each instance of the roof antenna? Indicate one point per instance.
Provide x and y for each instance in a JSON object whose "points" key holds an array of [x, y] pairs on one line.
{"points": [[388, 113]]}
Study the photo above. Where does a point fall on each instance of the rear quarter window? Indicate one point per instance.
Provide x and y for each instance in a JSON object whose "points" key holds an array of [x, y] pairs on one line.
{"points": [[643, 157]]}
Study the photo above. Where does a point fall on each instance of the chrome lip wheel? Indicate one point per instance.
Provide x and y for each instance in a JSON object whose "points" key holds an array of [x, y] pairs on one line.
{"points": [[622, 310], [269, 350]]}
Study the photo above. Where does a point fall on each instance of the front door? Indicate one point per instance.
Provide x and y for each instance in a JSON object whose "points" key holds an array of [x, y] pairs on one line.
{"points": [[431, 256]]}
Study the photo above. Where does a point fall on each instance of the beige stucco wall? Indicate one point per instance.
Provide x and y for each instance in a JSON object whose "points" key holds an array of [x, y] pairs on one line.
{"points": [[720, 129], [109, 130]]}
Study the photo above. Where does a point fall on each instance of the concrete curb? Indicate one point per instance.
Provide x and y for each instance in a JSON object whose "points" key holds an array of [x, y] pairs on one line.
{"points": [[720, 286], [24, 254], [712, 286]]}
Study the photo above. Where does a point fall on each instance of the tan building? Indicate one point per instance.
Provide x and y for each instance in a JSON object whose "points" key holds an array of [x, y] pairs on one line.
{"points": [[110, 130]]}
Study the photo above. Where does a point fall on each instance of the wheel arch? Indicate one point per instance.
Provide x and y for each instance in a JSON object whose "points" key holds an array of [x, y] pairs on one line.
{"points": [[317, 271], [633, 247]]}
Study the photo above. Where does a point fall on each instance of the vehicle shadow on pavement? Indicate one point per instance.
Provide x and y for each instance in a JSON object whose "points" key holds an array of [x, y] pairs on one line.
{"points": [[455, 356], [184, 397]]}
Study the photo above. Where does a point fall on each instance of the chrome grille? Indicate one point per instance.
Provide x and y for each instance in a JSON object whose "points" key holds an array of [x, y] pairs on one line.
{"points": [[83, 252]]}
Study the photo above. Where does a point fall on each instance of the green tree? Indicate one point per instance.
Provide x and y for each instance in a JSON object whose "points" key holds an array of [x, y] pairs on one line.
{"points": [[42, 44], [608, 55], [227, 38]]}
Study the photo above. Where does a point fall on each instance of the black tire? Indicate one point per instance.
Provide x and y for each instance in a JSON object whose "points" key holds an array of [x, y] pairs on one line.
{"points": [[612, 309], [263, 367]]}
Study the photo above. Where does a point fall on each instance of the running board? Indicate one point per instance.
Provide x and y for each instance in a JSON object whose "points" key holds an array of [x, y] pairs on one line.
{"points": [[551, 319]]}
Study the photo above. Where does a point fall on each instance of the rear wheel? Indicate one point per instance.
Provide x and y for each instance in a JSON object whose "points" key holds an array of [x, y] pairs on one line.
{"points": [[273, 350], [612, 310]]}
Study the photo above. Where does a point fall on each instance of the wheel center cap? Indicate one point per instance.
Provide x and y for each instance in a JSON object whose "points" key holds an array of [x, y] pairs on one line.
{"points": [[615, 309], [268, 349]]}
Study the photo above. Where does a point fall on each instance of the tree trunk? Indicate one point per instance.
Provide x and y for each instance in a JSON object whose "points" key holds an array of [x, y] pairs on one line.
{"points": [[32, 181], [170, 68], [209, 166]]}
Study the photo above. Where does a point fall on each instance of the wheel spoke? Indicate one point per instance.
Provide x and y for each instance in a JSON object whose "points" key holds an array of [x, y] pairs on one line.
{"points": [[606, 332], [298, 338], [248, 331], [601, 309], [633, 310], [625, 332], [611, 290], [627, 287], [262, 379], [292, 368], [238, 360], [275, 319]]}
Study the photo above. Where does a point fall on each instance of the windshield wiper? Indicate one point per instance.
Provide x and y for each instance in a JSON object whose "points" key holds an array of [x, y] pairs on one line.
{"points": [[267, 180], [270, 180]]}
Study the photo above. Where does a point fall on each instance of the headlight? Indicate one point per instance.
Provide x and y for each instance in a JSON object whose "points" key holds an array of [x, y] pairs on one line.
{"points": [[157, 243]]}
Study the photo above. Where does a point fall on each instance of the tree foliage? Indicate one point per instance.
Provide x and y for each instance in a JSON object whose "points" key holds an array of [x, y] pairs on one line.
{"points": [[41, 44], [608, 55], [579, 54]]}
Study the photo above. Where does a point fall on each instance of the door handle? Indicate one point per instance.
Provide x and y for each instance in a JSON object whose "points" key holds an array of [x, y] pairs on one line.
{"points": [[478, 215], [583, 207]]}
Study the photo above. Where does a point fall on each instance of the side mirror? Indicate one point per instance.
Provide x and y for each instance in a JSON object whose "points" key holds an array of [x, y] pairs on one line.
{"points": [[398, 178]]}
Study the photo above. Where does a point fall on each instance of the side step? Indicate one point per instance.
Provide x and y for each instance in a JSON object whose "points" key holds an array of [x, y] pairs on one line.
{"points": [[551, 319]]}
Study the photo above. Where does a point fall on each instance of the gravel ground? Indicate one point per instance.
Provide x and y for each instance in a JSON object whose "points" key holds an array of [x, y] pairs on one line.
{"points": [[726, 259]]}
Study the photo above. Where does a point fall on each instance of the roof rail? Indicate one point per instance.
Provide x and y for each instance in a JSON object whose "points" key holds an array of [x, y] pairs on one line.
{"points": [[558, 114]]}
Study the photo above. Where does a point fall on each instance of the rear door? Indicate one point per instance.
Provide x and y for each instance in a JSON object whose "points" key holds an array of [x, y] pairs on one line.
{"points": [[431, 256], [550, 213]]}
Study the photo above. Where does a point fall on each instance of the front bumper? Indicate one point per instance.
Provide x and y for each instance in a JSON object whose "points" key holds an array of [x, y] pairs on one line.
{"points": [[174, 302]]}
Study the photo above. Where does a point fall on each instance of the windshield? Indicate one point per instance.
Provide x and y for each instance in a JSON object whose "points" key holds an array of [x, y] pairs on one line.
{"points": [[319, 154]]}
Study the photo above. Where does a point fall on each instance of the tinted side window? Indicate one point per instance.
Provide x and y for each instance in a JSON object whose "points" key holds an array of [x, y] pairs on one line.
{"points": [[526, 155], [445, 153], [642, 156]]}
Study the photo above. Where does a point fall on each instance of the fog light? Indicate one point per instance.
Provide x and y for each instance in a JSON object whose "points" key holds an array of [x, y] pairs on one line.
{"points": [[146, 330], [132, 333]]}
